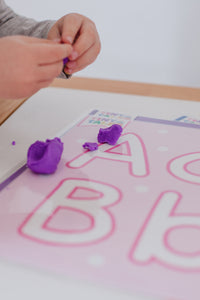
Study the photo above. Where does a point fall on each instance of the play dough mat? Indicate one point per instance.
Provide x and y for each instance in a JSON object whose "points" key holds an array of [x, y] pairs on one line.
{"points": [[125, 216]]}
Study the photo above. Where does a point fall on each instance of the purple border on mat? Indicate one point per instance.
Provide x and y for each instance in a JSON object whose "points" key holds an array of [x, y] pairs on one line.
{"points": [[12, 177], [167, 122]]}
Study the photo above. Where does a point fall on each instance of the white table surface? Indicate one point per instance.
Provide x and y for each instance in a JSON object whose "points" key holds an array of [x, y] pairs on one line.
{"points": [[45, 115]]}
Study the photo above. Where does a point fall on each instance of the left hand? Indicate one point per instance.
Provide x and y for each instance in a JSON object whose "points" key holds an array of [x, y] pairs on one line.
{"points": [[80, 32]]}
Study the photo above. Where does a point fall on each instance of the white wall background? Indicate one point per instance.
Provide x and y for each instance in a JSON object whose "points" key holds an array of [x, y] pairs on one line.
{"points": [[154, 41]]}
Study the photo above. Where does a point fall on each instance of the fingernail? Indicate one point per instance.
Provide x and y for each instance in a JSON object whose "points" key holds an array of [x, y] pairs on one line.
{"points": [[69, 39], [73, 55], [71, 65]]}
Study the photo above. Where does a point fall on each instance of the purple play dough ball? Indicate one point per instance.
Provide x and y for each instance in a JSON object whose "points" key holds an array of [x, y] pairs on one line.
{"points": [[43, 157], [109, 135]]}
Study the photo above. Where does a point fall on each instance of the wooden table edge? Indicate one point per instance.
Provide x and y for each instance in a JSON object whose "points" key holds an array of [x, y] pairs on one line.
{"points": [[7, 107], [129, 87]]}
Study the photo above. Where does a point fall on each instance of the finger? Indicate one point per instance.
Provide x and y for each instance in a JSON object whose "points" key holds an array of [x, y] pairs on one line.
{"points": [[84, 60], [70, 27], [86, 39], [47, 54], [34, 40], [54, 33], [49, 72]]}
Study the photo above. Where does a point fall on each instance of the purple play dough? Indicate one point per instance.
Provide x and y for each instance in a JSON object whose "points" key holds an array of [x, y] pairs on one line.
{"points": [[109, 135], [43, 157], [90, 146], [65, 60]]}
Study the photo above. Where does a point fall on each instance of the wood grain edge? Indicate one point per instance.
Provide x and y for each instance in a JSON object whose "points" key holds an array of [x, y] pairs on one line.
{"points": [[126, 87], [8, 107]]}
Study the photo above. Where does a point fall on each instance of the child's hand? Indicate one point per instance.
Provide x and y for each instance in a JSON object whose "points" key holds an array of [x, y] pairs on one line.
{"points": [[81, 33], [29, 64]]}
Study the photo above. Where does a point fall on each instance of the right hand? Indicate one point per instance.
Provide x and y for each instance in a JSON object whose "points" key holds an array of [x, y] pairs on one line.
{"points": [[28, 64]]}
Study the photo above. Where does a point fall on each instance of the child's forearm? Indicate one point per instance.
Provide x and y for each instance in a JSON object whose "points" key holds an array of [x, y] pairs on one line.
{"points": [[13, 24]]}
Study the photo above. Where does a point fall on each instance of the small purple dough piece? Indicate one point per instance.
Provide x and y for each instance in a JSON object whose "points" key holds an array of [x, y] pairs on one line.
{"points": [[109, 135], [90, 146], [13, 143], [43, 157], [65, 60]]}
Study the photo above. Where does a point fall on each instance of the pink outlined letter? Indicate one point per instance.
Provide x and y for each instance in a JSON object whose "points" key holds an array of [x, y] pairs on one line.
{"points": [[178, 167], [151, 243], [136, 158], [35, 227]]}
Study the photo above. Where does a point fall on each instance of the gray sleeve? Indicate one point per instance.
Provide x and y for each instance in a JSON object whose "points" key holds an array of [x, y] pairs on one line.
{"points": [[13, 24]]}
